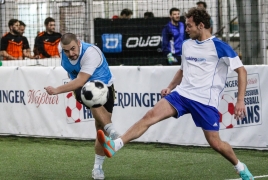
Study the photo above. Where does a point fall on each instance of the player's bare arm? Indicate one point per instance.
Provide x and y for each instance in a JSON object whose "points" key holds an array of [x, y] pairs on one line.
{"points": [[240, 110], [8, 56], [72, 85], [175, 81], [27, 53]]}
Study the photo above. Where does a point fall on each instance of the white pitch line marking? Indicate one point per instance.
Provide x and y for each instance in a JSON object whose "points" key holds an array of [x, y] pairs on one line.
{"points": [[255, 177]]}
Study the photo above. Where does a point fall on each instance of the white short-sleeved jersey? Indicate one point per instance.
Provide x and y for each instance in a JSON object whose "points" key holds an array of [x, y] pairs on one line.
{"points": [[205, 68]]}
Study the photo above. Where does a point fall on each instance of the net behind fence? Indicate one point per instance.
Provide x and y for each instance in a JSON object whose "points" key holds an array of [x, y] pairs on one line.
{"points": [[131, 32]]}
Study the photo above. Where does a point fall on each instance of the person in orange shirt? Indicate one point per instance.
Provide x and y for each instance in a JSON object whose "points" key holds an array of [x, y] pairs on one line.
{"points": [[46, 42], [22, 30], [13, 45]]}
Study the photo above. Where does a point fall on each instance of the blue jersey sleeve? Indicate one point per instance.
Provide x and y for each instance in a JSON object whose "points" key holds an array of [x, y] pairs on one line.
{"points": [[165, 40], [223, 49]]}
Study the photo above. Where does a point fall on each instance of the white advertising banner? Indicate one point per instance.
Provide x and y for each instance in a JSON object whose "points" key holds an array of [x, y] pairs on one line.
{"points": [[26, 108]]}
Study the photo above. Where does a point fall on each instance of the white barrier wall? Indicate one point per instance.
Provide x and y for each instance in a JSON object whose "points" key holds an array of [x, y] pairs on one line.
{"points": [[26, 109]]}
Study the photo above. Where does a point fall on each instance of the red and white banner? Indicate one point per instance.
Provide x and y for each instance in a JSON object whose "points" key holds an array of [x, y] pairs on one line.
{"points": [[26, 108]]}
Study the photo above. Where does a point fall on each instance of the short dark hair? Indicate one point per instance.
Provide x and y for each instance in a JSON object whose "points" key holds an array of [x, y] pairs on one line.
{"points": [[67, 38], [202, 2], [48, 20], [22, 23], [11, 22], [173, 9], [149, 14], [200, 15], [126, 11]]}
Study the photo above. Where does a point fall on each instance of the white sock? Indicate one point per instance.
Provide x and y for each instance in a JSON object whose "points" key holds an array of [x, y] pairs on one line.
{"points": [[118, 144], [108, 128], [98, 161], [239, 167]]}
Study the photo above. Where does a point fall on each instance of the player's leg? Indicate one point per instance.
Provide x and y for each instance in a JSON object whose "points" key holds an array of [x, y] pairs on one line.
{"points": [[207, 117], [97, 172], [162, 110], [220, 146], [103, 114], [226, 151], [103, 117]]}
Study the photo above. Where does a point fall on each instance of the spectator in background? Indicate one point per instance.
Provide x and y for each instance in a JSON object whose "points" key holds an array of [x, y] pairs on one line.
{"points": [[126, 14], [46, 43], [22, 30], [202, 4], [173, 34], [148, 15], [22, 27], [13, 45]]}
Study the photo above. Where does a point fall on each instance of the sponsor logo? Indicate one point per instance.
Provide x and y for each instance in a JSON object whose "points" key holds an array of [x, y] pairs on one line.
{"points": [[124, 99], [12, 96], [39, 97], [150, 41], [190, 58], [234, 83], [36, 97], [252, 100], [112, 43]]}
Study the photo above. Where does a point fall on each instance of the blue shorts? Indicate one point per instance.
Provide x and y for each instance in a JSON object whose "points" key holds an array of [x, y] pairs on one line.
{"points": [[204, 116]]}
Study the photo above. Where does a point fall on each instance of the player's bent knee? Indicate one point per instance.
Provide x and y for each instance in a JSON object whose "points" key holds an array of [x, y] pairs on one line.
{"points": [[215, 144]]}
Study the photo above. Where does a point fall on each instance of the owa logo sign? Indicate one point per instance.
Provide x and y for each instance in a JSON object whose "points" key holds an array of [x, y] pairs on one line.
{"points": [[112, 43]]}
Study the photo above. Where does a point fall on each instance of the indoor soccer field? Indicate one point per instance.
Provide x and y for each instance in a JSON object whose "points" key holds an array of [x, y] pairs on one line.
{"points": [[56, 159]]}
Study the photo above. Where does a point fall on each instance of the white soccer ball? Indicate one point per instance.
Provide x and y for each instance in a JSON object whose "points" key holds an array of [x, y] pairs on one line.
{"points": [[94, 93]]}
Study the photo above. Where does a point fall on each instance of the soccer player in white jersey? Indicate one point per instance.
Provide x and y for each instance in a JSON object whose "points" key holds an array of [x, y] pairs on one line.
{"points": [[196, 89], [85, 62]]}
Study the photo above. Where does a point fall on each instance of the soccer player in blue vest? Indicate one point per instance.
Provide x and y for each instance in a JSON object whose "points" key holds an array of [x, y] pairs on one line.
{"points": [[195, 89], [85, 62]]}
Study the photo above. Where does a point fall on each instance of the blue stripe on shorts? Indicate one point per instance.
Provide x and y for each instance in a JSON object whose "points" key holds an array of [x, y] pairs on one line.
{"points": [[204, 116]]}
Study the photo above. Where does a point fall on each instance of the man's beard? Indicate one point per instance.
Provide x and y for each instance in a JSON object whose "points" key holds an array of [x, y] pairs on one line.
{"points": [[175, 20], [195, 37], [51, 31], [73, 58], [16, 32]]}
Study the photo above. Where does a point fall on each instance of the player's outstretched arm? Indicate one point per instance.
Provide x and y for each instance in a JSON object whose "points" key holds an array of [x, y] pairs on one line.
{"points": [[71, 86], [240, 110]]}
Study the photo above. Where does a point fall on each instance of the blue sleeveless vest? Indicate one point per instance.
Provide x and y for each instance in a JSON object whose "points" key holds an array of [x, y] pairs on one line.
{"points": [[101, 73]]}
